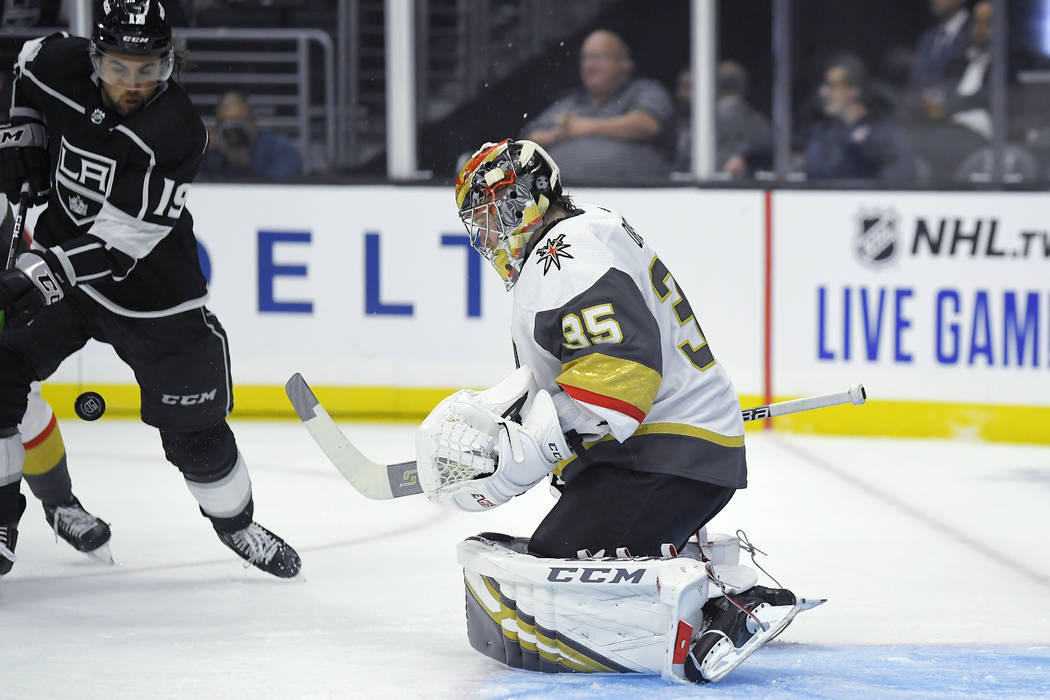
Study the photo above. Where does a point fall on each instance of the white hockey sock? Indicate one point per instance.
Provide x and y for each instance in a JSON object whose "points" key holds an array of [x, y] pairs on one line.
{"points": [[12, 456], [226, 497]]}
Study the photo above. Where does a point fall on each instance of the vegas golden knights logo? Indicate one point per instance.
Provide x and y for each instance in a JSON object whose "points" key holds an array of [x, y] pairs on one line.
{"points": [[553, 252]]}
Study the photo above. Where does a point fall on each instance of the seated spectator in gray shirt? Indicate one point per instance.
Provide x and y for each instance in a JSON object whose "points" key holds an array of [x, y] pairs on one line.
{"points": [[612, 129]]}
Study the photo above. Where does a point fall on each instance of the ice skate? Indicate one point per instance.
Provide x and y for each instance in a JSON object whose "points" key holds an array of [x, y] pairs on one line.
{"points": [[82, 530], [9, 538], [263, 550], [773, 596], [730, 635]]}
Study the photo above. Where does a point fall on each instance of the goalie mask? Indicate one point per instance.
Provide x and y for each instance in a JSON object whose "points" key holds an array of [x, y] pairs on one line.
{"points": [[502, 193]]}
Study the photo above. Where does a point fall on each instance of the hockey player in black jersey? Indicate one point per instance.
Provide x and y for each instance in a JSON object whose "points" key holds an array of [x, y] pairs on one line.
{"points": [[111, 144]]}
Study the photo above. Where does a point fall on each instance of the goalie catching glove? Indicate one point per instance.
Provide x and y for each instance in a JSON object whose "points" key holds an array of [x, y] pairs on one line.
{"points": [[471, 453]]}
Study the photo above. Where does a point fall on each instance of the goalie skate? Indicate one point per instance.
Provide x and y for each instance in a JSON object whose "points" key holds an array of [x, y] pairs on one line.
{"points": [[733, 635]]}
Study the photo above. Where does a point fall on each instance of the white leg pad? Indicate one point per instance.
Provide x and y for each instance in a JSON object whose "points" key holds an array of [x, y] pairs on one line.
{"points": [[720, 548], [635, 615]]}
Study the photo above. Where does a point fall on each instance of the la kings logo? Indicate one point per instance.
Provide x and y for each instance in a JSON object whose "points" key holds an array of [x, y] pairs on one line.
{"points": [[84, 181]]}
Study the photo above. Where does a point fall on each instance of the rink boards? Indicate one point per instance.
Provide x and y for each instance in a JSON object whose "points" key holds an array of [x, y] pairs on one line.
{"points": [[938, 302]]}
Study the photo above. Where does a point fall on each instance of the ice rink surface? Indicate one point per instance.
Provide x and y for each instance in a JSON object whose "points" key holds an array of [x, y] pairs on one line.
{"points": [[933, 556]]}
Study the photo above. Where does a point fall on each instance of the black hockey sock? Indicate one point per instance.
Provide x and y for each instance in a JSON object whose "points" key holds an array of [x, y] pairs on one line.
{"points": [[53, 487], [9, 503], [232, 524]]}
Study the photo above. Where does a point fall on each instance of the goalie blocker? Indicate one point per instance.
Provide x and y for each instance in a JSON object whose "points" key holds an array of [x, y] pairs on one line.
{"points": [[681, 617]]}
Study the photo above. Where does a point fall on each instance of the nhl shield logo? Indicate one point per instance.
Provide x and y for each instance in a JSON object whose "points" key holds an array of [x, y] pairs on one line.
{"points": [[875, 242], [97, 116]]}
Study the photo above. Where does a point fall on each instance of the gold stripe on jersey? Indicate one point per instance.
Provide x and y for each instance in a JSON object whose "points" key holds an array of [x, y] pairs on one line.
{"points": [[690, 431], [621, 381], [679, 429]]}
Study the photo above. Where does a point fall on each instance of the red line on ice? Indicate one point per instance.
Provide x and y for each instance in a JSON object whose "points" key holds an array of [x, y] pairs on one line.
{"points": [[936, 525]]}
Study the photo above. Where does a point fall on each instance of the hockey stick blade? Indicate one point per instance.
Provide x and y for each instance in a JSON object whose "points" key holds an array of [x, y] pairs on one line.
{"points": [[373, 479]]}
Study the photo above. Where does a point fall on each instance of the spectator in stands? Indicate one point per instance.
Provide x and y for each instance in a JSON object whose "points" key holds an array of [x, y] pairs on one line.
{"points": [[1019, 165], [853, 141], [614, 127], [22, 14], [967, 102], [239, 148], [738, 125], [182, 13], [941, 52], [18, 16]]}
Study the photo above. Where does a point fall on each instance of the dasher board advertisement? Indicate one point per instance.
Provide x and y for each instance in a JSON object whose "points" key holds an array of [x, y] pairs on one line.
{"points": [[928, 297]]}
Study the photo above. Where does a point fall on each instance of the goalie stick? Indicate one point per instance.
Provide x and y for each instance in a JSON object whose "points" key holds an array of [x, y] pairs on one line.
{"points": [[384, 481]]}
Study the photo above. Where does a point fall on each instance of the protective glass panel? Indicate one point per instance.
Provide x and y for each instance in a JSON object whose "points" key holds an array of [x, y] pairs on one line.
{"points": [[1026, 154]]}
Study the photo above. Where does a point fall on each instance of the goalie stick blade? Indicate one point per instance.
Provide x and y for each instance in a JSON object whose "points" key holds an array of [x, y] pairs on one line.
{"points": [[371, 479]]}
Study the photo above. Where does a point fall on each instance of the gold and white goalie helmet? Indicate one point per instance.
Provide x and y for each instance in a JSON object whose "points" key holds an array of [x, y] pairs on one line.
{"points": [[502, 194]]}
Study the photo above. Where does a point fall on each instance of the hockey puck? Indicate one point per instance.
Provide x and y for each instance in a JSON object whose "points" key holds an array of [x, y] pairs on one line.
{"points": [[89, 406]]}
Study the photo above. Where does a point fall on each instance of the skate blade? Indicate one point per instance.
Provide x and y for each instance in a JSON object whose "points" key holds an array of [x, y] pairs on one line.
{"points": [[102, 555], [251, 571], [725, 657], [803, 604]]}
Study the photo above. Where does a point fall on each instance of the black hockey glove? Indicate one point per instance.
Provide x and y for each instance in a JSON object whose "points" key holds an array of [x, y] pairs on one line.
{"points": [[28, 287], [24, 157]]}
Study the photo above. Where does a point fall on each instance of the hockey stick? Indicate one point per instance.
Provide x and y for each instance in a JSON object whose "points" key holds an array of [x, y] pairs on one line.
{"points": [[384, 481], [373, 479], [855, 395], [16, 234]]}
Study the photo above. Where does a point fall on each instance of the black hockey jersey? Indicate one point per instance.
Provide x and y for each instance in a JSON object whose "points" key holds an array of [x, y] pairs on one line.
{"points": [[116, 218]]}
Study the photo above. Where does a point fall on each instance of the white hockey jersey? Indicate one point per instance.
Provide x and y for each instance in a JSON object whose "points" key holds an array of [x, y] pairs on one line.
{"points": [[597, 314]]}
